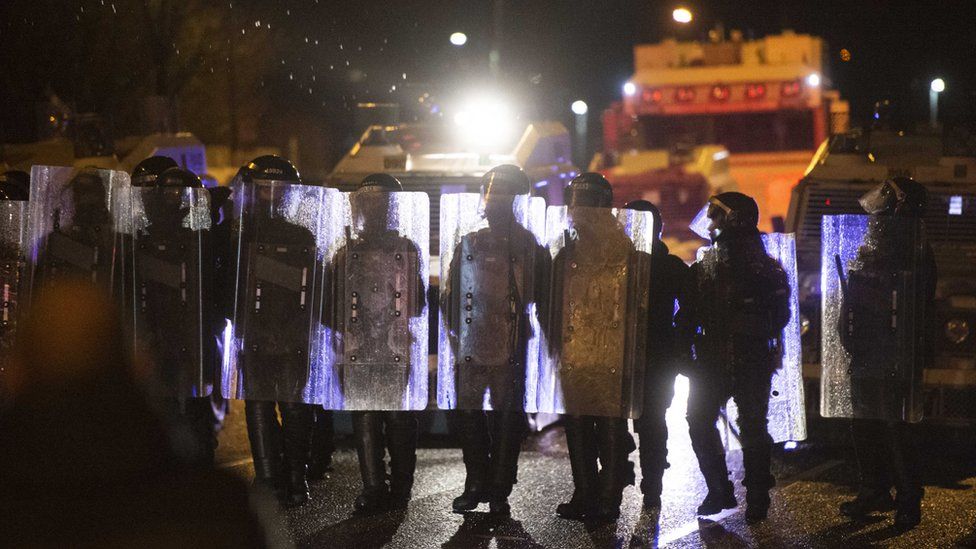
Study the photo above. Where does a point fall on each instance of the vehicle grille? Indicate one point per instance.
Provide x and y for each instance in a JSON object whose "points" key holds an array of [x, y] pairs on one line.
{"points": [[952, 237]]}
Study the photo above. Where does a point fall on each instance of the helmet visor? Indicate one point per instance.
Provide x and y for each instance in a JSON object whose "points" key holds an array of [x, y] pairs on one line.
{"points": [[882, 198], [699, 225]]}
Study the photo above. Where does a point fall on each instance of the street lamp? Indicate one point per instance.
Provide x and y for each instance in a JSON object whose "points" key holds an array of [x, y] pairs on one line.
{"points": [[682, 15], [580, 108], [459, 38], [938, 86], [630, 89]]}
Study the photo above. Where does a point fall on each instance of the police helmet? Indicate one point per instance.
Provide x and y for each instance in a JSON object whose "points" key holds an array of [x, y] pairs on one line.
{"points": [[589, 189]]}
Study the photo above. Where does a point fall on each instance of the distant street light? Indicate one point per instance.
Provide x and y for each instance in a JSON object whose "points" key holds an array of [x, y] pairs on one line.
{"points": [[459, 39], [813, 80], [580, 108], [682, 15], [938, 86], [630, 89]]}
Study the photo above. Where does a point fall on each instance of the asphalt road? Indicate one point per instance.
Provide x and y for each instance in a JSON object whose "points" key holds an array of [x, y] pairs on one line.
{"points": [[812, 481]]}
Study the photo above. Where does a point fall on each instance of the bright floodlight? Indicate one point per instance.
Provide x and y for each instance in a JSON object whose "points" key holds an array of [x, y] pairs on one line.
{"points": [[682, 15], [630, 88], [484, 122], [938, 85], [459, 39], [579, 107], [813, 80]]}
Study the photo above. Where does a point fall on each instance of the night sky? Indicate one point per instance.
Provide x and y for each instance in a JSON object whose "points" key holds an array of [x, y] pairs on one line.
{"points": [[304, 64]]}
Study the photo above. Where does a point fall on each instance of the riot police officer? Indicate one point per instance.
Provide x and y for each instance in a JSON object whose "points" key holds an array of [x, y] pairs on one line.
{"points": [[148, 170], [374, 305], [171, 271], [894, 249], [77, 229], [668, 276], [597, 494], [275, 255], [738, 308], [497, 276]]}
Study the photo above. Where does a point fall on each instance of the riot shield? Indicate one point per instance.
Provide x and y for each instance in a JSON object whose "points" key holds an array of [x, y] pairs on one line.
{"points": [[379, 283], [13, 248], [76, 219], [282, 233], [172, 278], [874, 292], [787, 413], [493, 275], [597, 335]]}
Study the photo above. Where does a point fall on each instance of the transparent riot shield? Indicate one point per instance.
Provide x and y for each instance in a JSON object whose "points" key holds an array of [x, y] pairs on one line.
{"points": [[787, 412], [172, 264], [13, 250], [283, 233], [597, 328], [379, 283], [494, 271], [874, 290], [76, 219]]}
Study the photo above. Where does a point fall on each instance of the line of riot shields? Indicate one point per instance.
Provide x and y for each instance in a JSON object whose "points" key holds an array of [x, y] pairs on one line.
{"points": [[542, 309], [320, 296]]}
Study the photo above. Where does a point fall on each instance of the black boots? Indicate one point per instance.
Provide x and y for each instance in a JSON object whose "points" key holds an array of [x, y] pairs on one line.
{"points": [[490, 445], [401, 439], [721, 493], [472, 434], [264, 434], [887, 456], [616, 472], [758, 481], [280, 451], [508, 429], [583, 462], [371, 445], [597, 496], [323, 445], [296, 428], [368, 430]]}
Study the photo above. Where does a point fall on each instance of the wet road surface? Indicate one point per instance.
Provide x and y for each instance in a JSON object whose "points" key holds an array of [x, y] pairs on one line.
{"points": [[811, 482]]}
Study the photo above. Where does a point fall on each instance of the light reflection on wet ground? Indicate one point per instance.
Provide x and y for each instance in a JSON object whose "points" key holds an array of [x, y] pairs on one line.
{"points": [[812, 482]]}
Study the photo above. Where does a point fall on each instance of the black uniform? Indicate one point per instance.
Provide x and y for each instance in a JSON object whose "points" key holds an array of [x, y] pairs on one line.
{"points": [[886, 449], [172, 296], [669, 275], [85, 246], [377, 432], [738, 308], [276, 368], [509, 272], [597, 491]]}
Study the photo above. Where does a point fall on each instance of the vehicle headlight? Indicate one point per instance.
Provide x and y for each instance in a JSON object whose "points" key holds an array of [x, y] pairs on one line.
{"points": [[957, 330]]}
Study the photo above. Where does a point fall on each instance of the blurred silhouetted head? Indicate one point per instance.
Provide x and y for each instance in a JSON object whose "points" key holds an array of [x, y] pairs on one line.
{"points": [[71, 337]]}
